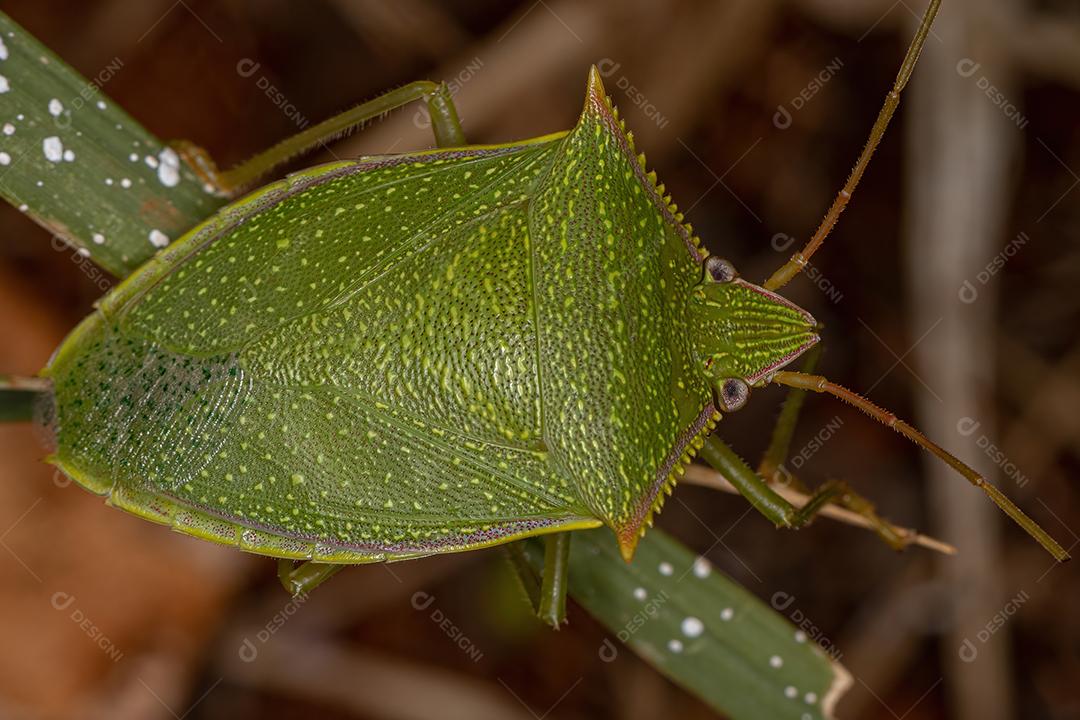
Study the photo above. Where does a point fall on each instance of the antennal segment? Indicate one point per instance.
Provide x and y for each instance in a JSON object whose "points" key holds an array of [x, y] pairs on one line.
{"points": [[820, 384], [798, 261]]}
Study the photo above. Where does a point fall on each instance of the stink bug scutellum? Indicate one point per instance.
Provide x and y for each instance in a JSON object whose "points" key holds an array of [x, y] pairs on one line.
{"points": [[438, 351]]}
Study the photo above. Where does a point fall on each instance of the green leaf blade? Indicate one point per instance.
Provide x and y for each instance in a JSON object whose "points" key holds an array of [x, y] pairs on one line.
{"points": [[701, 629], [83, 168]]}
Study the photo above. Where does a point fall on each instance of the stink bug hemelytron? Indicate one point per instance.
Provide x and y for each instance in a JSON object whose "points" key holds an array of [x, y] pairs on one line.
{"points": [[432, 352]]}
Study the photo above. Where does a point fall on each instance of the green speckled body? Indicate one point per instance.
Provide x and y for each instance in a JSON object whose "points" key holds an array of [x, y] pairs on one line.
{"points": [[412, 354]]}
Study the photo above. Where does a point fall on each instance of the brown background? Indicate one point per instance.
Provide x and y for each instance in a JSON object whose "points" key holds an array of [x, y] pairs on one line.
{"points": [[955, 181]]}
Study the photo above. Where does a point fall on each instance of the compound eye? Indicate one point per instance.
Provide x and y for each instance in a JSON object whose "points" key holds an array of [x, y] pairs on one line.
{"points": [[719, 269], [733, 394]]}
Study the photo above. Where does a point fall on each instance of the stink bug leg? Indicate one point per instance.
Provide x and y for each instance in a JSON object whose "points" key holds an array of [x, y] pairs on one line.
{"points": [[773, 471], [305, 577], [547, 594], [444, 123], [552, 608]]}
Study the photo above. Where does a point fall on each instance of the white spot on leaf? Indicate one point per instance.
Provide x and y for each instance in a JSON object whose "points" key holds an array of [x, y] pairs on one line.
{"points": [[55, 107], [158, 239], [53, 149], [169, 170], [692, 627]]}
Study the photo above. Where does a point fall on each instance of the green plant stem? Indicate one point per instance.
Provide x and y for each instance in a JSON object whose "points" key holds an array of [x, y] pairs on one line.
{"points": [[20, 397]]}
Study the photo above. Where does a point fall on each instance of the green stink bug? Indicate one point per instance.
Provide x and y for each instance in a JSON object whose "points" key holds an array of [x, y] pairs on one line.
{"points": [[434, 352]]}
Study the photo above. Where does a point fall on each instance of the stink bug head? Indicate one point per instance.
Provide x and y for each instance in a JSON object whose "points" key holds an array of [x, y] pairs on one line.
{"points": [[742, 331]]}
